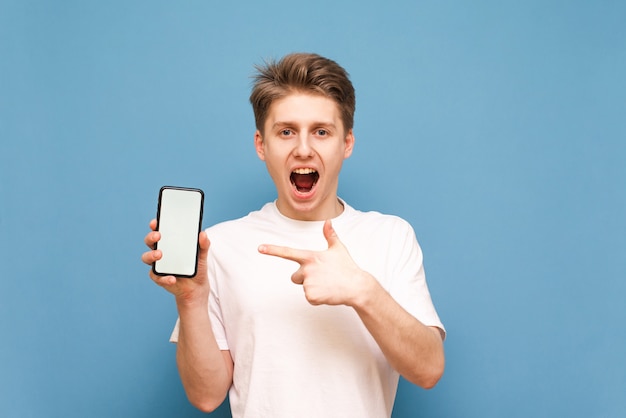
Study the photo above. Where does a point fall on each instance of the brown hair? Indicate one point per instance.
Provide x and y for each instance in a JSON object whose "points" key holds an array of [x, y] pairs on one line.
{"points": [[302, 72]]}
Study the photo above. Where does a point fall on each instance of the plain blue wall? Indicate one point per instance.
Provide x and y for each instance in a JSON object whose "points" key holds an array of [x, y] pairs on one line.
{"points": [[496, 128]]}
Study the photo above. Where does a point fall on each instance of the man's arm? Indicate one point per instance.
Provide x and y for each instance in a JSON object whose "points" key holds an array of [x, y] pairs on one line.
{"points": [[412, 348], [206, 371], [331, 277]]}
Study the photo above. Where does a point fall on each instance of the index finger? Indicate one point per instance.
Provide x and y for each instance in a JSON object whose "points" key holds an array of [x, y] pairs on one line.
{"points": [[299, 256]]}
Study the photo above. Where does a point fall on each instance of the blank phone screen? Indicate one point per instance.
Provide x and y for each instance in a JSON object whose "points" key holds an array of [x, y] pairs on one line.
{"points": [[179, 221]]}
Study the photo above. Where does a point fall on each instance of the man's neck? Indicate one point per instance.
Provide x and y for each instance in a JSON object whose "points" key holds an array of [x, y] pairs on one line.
{"points": [[318, 214]]}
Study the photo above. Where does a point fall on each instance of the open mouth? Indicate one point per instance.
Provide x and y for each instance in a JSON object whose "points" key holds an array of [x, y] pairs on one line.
{"points": [[304, 179]]}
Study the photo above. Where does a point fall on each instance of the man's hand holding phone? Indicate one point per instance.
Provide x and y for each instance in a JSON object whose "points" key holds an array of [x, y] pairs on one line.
{"points": [[178, 248], [184, 289]]}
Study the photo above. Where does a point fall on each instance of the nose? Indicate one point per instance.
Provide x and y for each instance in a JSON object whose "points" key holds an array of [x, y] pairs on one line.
{"points": [[303, 147]]}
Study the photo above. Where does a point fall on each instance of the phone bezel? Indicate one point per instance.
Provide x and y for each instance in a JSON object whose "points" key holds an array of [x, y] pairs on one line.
{"points": [[158, 219]]}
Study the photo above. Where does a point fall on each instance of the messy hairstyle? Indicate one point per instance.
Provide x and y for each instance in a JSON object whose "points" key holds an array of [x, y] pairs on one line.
{"points": [[306, 73]]}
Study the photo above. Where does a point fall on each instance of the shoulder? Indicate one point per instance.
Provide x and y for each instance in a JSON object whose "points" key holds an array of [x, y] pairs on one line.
{"points": [[389, 230], [259, 219], [378, 220]]}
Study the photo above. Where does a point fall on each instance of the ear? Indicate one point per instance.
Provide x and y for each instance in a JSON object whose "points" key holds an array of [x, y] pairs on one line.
{"points": [[258, 145], [349, 144]]}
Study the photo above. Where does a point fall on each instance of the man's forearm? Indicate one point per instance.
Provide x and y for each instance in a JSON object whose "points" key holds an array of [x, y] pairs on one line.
{"points": [[413, 349], [205, 370]]}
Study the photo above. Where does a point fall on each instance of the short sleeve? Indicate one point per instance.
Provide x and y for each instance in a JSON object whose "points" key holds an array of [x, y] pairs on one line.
{"points": [[409, 287]]}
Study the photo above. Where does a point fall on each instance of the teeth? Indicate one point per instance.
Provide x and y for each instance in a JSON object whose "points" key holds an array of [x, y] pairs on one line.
{"points": [[304, 171]]}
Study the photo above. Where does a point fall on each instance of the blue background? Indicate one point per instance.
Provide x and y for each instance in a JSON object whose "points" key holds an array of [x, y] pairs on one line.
{"points": [[496, 128]]}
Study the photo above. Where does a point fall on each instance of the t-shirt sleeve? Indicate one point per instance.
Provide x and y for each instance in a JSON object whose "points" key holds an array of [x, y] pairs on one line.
{"points": [[409, 286]]}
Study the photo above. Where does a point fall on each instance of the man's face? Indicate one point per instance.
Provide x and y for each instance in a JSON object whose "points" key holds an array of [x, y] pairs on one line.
{"points": [[303, 145]]}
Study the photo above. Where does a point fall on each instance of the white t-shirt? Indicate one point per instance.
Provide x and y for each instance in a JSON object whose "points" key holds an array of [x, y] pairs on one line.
{"points": [[293, 359]]}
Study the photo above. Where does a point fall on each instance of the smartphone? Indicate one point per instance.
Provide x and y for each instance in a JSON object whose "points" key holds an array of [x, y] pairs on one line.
{"points": [[179, 220]]}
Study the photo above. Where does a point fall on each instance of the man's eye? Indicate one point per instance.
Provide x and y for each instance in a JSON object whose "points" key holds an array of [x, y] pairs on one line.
{"points": [[285, 132], [322, 132]]}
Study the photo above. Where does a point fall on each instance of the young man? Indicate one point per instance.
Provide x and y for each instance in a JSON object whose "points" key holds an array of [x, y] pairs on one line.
{"points": [[306, 307]]}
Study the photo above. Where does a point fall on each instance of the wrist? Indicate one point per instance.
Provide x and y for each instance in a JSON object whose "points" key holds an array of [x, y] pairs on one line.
{"points": [[189, 303], [366, 292]]}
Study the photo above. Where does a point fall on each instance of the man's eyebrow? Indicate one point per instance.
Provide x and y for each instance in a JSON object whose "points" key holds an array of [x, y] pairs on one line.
{"points": [[280, 124]]}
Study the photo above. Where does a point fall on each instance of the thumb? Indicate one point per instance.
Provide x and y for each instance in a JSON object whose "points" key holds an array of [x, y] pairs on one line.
{"points": [[330, 234]]}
